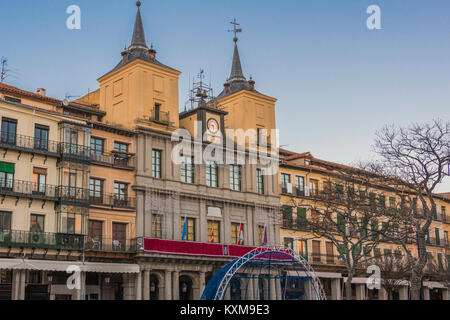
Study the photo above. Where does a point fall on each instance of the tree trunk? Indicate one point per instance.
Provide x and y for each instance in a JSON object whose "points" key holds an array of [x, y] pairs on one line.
{"points": [[348, 288], [416, 284]]}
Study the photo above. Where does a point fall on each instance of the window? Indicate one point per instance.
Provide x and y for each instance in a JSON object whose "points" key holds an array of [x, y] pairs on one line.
{"points": [[119, 236], [41, 137], [6, 175], [314, 187], [443, 216], [120, 191], [95, 190], [382, 200], [97, 146], [213, 231], [236, 233], [39, 180], [300, 185], [301, 217], [5, 221], [187, 169], [12, 99], [288, 243], [9, 127], [261, 232], [440, 261], [285, 180], [316, 251], [261, 139], [235, 177], [211, 174], [156, 164], [95, 231], [120, 147], [303, 248], [156, 226], [190, 235], [35, 277], [157, 111], [392, 202], [70, 225], [37, 223], [260, 181], [438, 236]]}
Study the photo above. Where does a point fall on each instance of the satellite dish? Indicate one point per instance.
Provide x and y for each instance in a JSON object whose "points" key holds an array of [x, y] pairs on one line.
{"points": [[65, 102]]}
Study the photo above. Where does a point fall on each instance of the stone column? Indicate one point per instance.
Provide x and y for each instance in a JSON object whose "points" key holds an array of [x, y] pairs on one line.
{"points": [[128, 286], [308, 291], [250, 291], [202, 283], [403, 293], [336, 290], [138, 285], [176, 285], [445, 294], [168, 285], [360, 291], [266, 289], [228, 294], [18, 285], [140, 213], [426, 293], [146, 286], [273, 289], [278, 288], [80, 294], [382, 294]]}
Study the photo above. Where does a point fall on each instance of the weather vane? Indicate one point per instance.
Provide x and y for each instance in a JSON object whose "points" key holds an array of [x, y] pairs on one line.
{"points": [[236, 30]]}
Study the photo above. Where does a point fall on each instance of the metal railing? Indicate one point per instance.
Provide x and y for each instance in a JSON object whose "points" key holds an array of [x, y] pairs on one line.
{"points": [[295, 224], [113, 244], [28, 189], [159, 116], [112, 200], [73, 194], [17, 238], [33, 144], [115, 159], [71, 150]]}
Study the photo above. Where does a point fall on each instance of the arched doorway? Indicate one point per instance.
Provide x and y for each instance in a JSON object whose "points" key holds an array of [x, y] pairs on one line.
{"points": [[235, 289], [186, 288], [154, 287]]}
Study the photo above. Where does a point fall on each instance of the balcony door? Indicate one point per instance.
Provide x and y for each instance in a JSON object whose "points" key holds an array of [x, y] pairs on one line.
{"points": [[316, 251], [119, 236], [95, 234], [9, 128]]}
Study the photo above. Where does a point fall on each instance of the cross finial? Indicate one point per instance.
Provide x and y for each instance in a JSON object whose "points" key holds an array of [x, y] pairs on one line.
{"points": [[236, 30]]}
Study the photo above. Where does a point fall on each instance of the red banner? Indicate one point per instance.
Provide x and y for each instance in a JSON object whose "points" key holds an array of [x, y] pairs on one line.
{"points": [[195, 248]]}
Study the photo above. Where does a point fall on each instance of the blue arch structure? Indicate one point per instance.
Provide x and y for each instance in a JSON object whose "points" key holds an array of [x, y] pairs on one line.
{"points": [[297, 280]]}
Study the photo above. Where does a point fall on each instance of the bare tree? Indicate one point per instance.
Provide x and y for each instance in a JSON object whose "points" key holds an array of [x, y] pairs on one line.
{"points": [[413, 161], [346, 214]]}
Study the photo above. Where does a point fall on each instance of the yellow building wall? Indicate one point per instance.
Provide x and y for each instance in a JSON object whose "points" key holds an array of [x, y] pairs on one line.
{"points": [[132, 91]]}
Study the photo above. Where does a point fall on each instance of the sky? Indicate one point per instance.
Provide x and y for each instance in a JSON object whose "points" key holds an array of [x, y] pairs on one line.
{"points": [[336, 81]]}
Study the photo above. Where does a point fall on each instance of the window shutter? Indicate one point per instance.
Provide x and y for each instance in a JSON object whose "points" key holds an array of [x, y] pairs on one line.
{"points": [[6, 167]]}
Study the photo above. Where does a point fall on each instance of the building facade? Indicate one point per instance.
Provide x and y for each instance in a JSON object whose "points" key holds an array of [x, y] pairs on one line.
{"points": [[303, 179]]}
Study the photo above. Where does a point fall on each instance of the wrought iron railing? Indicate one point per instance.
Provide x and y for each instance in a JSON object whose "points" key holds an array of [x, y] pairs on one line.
{"points": [[160, 116], [115, 159], [73, 194], [71, 150], [27, 188], [112, 200], [17, 238], [33, 144], [114, 244], [299, 224]]}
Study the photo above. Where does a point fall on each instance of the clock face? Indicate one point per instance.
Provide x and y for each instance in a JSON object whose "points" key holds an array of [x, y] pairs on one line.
{"points": [[213, 126]]}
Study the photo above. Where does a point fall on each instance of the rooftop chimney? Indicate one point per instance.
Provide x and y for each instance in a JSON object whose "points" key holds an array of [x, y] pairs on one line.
{"points": [[41, 91]]}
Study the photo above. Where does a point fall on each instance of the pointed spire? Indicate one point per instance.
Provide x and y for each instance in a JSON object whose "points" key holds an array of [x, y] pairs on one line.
{"points": [[236, 68], [138, 41]]}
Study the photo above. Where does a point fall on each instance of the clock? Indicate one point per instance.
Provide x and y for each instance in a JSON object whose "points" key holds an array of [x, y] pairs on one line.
{"points": [[213, 126]]}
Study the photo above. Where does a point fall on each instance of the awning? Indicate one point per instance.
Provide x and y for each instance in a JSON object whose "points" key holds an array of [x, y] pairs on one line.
{"points": [[51, 265], [357, 280]]}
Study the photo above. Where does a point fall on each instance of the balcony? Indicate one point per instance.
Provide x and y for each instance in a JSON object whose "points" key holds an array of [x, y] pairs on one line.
{"points": [[29, 144], [110, 244], [45, 240], [116, 159], [73, 195], [159, 116], [323, 259], [18, 188], [75, 152], [435, 242], [299, 225], [112, 200]]}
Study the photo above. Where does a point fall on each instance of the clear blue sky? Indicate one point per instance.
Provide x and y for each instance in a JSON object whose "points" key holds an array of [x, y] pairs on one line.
{"points": [[336, 81]]}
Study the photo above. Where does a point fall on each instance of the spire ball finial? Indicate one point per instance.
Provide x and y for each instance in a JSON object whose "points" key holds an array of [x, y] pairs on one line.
{"points": [[138, 3]]}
